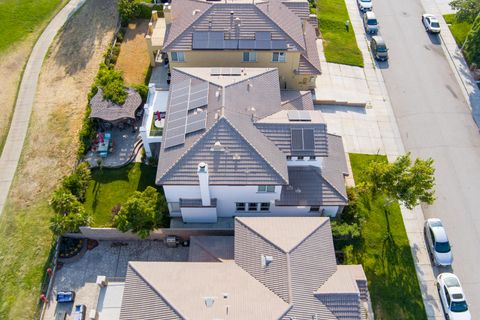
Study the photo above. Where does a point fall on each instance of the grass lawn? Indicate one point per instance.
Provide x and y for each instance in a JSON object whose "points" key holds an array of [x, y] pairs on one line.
{"points": [[458, 29], [110, 187], [387, 261], [340, 46], [20, 18]]}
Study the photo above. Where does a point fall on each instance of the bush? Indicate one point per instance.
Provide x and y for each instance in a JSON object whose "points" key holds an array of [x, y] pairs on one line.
{"points": [[112, 83], [128, 10], [349, 223], [144, 12], [472, 43], [142, 90], [77, 183], [61, 224]]}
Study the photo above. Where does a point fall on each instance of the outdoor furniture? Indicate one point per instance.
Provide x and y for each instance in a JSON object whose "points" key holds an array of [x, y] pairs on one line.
{"points": [[103, 144]]}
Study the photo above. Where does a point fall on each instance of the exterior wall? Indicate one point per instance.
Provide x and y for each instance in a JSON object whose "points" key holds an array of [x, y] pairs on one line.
{"points": [[199, 215], [249, 248], [318, 162], [304, 82], [204, 58]]}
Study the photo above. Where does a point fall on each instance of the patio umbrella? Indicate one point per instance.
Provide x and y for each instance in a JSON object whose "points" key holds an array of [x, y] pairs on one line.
{"points": [[158, 116], [100, 136]]}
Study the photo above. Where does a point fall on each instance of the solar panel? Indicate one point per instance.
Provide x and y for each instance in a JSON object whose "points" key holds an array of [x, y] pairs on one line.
{"points": [[308, 140], [299, 115], [279, 44], [216, 35], [263, 35], [174, 141], [297, 139], [196, 126], [230, 44], [263, 44], [246, 44]]}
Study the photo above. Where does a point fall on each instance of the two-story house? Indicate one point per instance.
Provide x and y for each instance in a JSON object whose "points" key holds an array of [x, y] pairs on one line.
{"points": [[234, 144], [239, 33]]}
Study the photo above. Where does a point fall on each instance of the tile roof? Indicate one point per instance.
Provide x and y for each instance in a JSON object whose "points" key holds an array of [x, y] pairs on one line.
{"points": [[296, 100], [286, 233], [210, 248], [109, 111], [310, 61]]}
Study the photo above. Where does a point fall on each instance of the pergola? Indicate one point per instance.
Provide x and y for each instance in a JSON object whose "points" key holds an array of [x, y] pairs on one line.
{"points": [[108, 111]]}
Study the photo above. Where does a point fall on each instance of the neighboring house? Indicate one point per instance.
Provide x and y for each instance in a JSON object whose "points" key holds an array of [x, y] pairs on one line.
{"points": [[233, 144], [275, 268], [237, 33]]}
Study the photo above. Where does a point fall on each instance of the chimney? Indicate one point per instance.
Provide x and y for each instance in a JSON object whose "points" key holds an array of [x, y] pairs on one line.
{"points": [[154, 15], [202, 173], [150, 28], [303, 25], [167, 14]]}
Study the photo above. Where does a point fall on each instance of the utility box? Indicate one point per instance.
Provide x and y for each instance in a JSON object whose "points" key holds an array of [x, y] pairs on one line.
{"points": [[171, 241]]}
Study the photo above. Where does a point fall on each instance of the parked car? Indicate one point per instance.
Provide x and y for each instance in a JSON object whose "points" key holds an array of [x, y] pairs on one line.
{"points": [[61, 315], [437, 242], [65, 296], [370, 22], [379, 48], [452, 297], [430, 22], [365, 5], [79, 312]]}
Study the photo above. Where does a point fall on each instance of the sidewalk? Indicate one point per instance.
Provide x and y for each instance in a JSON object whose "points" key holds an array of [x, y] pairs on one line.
{"points": [[455, 58], [26, 94], [375, 127]]}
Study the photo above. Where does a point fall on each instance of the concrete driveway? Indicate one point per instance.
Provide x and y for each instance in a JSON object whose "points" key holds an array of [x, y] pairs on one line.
{"points": [[105, 260], [435, 121]]}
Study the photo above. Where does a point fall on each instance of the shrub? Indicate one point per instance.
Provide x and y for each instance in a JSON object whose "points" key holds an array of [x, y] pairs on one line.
{"points": [[142, 90], [64, 202], [61, 224], [77, 183], [349, 223], [472, 43], [144, 12], [128, 10], [112, 83]]}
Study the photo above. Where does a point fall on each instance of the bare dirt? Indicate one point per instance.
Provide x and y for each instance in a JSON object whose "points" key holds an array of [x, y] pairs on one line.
{"points": [[133, 58], [67, 75]]}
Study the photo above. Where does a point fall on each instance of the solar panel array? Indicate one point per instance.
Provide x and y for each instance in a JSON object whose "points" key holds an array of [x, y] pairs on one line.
{"points": [[299, 115], [302, 139], [185, 97], [215, 40]]}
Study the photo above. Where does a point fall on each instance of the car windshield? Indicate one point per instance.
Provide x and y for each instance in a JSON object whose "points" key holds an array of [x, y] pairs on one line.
{"points": [[458, 306], [435, 25], [442, 247], [366, 0], [381, 48], [372, 22]]}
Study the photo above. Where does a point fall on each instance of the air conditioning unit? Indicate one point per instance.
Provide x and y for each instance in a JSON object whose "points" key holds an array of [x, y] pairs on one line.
{"points": [[171, 241]]}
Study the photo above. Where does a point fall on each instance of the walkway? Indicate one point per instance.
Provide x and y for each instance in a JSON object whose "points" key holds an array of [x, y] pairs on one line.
{"points": [[26, 95]]}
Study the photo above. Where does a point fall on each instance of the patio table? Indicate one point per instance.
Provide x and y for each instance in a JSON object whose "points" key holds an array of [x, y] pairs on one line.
{"points": [[102, 147]]}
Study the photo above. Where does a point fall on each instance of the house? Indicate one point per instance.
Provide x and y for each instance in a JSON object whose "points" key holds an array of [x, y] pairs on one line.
{"points": [[238, 33], [274, 268], [233, 144]]}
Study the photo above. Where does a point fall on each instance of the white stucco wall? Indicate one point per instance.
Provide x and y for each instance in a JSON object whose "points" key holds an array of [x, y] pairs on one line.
{"points": [[296, 163], [199, 215]]}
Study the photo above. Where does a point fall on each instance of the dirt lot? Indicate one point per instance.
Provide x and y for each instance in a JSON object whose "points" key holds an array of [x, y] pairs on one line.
{"points": [[49, 153], [133, 58]]}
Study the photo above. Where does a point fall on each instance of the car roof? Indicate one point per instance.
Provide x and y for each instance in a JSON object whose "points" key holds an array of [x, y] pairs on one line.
{"points": [[370, 15], [438, 230], [378, 40]]}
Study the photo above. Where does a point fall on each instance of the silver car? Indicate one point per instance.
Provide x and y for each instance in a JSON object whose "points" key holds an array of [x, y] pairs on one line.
{"points": [[370, 22], [437, 242]]}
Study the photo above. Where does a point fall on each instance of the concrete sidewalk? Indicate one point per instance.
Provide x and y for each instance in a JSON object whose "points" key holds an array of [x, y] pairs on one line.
{"points": [[455, 58], [26, 94]]}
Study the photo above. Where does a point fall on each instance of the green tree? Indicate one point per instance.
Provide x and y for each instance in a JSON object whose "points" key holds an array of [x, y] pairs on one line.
{"points": [[467, 10], [472, 43], [70, 214], [128, 10], [407, 182], [63, 201], [112, 83], [77, 183], [141, 214], [349, 223]]}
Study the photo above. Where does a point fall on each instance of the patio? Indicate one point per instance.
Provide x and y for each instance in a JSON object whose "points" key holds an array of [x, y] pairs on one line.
{"points": [[110, 261]]}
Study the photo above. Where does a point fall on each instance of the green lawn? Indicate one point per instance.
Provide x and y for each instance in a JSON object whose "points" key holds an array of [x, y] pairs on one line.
{"points": [[110, 187], [459, 29], [20, 18], [340, 46], [387, 261]]}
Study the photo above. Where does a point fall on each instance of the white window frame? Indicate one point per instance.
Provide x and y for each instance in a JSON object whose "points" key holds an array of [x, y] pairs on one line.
{"points": [[178, 56], [281, 56], [256, 206], [265, 208], [266, 189], [252, 56], [238, 205]]}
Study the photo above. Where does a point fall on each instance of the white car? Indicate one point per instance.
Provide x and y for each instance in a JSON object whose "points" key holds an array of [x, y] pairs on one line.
{"points": [[437, 242], [370, 22], [430, 22], [452, 297], [365, 5]]}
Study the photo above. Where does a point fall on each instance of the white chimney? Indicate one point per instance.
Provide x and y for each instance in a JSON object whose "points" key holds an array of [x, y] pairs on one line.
{"points": [[202, 172]]}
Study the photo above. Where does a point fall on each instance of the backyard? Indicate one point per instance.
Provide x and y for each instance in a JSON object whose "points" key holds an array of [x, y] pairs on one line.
{"points": [[387, 260], [340, 46], [112, 187], [459, 29]]}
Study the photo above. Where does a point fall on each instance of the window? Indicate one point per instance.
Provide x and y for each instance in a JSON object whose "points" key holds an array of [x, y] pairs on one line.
{"points": [[315, 209], [266, 189], [178, 56], [289, 158], [312, 158], [265, 206], [252, 206], [249, 57], [240, 206], [447, 296], [279, 57], [300, 158]]}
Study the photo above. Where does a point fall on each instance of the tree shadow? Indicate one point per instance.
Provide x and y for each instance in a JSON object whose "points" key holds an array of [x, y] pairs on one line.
{"points": [[82, 33]]}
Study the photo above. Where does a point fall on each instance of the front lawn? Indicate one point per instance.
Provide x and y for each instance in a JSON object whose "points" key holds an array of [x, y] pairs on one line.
{"points": [[387, 261], [459, 29], [111, 187], [340, 46]]}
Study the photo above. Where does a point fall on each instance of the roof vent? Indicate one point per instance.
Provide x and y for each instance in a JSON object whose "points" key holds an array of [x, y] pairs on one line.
{"points": [[225, 295], [289, 188], [266, 260], [236, 156], [298, 190], [194, 12], [209, 301], [217, 146]]}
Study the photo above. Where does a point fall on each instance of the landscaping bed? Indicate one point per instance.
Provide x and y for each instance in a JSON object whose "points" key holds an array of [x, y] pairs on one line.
{"points": [[340, 46], [459, 29], [384, 251]]}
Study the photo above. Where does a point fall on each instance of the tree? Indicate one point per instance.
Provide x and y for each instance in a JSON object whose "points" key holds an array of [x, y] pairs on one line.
{"points": [[63, 201], [472, 43], [403, 181], [467, 10], [70, 213], [112, 83], [140, 214], [128, 10], [77, 183]]}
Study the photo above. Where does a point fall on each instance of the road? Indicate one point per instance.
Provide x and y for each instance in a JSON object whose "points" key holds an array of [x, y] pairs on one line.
{"points": [[435, 121]]}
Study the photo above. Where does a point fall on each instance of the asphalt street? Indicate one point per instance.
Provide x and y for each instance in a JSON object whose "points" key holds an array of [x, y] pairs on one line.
{"points": [[435, 121]]}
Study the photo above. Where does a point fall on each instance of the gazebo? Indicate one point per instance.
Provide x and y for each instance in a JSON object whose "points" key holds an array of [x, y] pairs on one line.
{"points": [[112, 113]]}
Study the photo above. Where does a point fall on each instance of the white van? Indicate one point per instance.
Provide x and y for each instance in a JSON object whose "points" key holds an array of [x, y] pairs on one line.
{"points": [[370, 22]]}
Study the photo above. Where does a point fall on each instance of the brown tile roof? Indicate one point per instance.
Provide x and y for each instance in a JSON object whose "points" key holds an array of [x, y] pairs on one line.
{"points": [[109, 111]]}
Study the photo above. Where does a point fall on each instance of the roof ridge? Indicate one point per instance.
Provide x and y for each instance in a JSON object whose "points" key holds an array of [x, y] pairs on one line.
{"points": [[331, 185], [267, 70], [258, 152], [302, 47], [155, 290]]}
